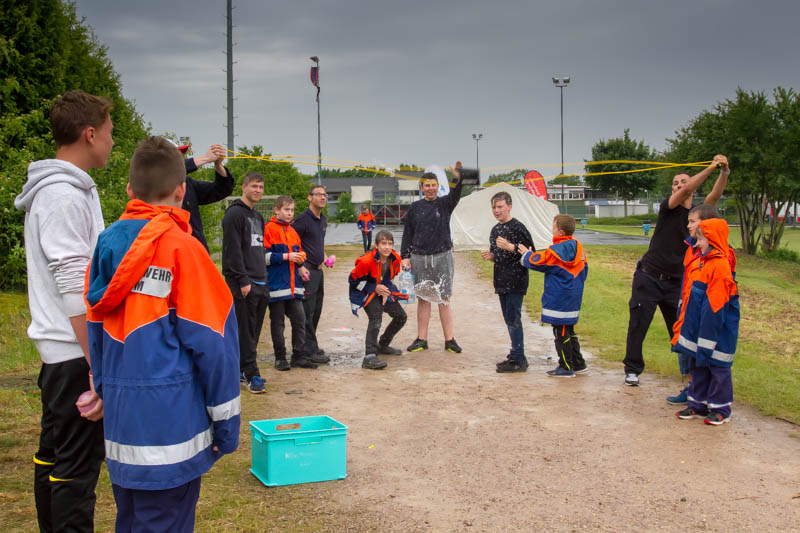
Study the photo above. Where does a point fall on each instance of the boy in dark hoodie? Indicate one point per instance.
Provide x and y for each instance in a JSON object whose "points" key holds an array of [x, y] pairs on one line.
{"points": [[709, 327], [285, 275], [62, 222], [164, 350], [245, 273], [565, 269]]}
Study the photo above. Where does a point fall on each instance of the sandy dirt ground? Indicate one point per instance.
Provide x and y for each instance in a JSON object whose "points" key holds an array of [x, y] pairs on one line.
{"points": [[441, 442]]}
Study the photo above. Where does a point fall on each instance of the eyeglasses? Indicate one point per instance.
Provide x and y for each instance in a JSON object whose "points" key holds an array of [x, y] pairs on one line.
{"points": [[320, 194]]}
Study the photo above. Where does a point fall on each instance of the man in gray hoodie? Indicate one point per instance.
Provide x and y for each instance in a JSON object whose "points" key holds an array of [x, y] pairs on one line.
{"points": [[62, 222]]}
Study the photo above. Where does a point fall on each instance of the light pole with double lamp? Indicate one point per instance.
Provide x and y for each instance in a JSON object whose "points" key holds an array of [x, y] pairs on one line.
{"points": [[477, 137], [561, 83]]}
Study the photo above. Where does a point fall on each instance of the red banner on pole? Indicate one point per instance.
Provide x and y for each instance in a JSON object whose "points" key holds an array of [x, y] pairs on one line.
{"points": [[535, 184]]}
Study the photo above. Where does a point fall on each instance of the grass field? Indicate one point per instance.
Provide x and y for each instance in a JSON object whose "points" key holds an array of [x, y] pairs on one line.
{"points": [[766, 372], [790, 240]]}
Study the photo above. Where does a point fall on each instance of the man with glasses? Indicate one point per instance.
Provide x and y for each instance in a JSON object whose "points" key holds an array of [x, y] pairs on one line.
{"points": [[311, 225]]}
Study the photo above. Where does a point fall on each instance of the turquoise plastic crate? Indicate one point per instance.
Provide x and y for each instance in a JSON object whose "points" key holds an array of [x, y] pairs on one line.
{"points": [[287, 451]]}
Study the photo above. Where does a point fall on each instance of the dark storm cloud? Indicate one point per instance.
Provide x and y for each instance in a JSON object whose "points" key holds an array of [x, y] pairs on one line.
{"points": [[410, 81]]}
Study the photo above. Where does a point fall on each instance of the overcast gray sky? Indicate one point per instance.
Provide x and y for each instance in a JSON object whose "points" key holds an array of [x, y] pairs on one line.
{"points": [[411, 81]]}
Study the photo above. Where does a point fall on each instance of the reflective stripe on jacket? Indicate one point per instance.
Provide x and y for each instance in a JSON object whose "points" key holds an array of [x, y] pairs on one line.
{"points": [[565, 270]]}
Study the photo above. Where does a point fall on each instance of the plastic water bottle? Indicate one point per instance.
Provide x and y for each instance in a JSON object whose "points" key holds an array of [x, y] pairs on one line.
{"points": [[405, 283]]}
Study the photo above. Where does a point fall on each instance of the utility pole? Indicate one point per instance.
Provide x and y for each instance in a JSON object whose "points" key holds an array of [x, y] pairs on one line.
{"points": [[477, 137], [229, 72], [315, 81]]}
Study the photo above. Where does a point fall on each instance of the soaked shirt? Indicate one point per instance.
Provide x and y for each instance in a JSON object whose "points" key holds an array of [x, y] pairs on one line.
{"points": [[509, 275]]}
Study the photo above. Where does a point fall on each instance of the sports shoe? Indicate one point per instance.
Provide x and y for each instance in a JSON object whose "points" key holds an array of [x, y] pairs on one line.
{"points": [[581, 371], [559, 372], [303, 362], [679, 398], [418, 345], [715, 418], [282, 365], [631, 379], [256, 385], [688, 413], [388, 350], [320, 358], [509, 366], [452, 346], [242, 379], [372, 362]]}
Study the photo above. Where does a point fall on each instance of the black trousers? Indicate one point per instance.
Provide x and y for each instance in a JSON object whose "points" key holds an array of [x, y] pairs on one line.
{"points": [[367, 236], [312, 304], [647, 293], [278, 311], [71, 450], [375, 309], [568, 348], [250, 311]]}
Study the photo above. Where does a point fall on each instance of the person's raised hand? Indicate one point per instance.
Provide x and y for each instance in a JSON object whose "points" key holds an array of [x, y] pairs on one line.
{"points": [[722, 161]]}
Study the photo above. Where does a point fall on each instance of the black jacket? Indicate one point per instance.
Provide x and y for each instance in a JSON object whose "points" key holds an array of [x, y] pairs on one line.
{"points": [[509, 274], [203, 193], [243, 258], [427, 225]]}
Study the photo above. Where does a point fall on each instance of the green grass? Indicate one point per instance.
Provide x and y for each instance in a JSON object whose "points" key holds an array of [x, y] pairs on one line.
{"points": [[766, 371], [790, 239]]}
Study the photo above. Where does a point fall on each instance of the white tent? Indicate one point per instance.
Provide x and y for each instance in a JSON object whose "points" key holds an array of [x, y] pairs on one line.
{"points": [[473, 220]]}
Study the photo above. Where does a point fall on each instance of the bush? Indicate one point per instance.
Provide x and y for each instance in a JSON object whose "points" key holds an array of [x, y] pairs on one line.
{"points": [[630, 220], [781, 254]]}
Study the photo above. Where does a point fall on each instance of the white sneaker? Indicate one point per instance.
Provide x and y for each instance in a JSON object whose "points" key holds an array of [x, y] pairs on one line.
{"points": [[631, 380]]}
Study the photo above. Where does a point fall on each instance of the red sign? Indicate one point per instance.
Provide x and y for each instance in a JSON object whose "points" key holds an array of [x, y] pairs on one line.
{"points": [[535, 184]]}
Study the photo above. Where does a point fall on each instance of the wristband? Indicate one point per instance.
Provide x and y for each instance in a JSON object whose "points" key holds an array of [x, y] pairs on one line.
{"points": [[725, 173]]}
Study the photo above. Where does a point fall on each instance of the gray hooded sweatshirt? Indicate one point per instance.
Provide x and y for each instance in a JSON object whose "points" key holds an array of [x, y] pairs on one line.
{"points": [[62, 222]]}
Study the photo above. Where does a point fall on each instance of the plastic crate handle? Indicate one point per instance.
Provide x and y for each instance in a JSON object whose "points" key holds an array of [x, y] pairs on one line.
{"points": [[257, 437], [306, 441]]}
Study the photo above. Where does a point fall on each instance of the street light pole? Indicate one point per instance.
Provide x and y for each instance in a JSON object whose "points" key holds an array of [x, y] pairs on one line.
{"points": [[561, 83], [315, 59], [477, 137]]}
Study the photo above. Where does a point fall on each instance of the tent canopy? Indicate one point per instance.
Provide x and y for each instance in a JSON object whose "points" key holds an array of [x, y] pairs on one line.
{"points": [[472, 220]]}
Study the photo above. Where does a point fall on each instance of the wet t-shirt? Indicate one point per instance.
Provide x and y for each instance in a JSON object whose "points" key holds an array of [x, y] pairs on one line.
{"points": [[509, 275]]}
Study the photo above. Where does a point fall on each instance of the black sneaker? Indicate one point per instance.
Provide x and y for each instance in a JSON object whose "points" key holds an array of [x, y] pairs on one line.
{"points": [[320, 358], [372, 362], [452, 346], [303, 362], [631, 379], [418, 345], [715, 418], [689, 413], [509, 366], [282, 365], [388, 350]]}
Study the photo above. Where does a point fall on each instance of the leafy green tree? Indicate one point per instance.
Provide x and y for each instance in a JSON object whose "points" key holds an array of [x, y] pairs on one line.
{"points": [[627, 185], [46, 50], [760, 138], [505, 177], [566, 180], [345, 211]]}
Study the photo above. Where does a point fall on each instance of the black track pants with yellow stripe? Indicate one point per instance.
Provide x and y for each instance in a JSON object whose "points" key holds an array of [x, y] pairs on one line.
{"points": [[67, 463], [568, 349]]}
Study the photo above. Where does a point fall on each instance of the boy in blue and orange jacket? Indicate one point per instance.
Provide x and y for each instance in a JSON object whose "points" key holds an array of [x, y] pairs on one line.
{"points": [[285, 275], [565, 269], [366, 223], [693, 255], [164, 353], [371, 287], [709, 327]]}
